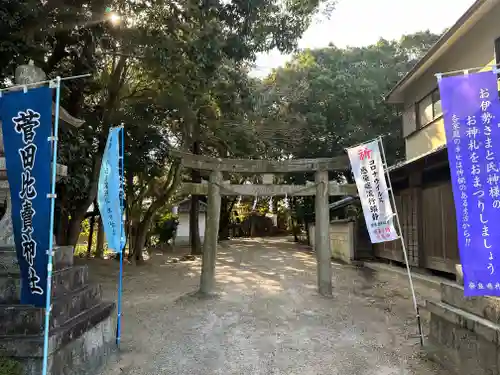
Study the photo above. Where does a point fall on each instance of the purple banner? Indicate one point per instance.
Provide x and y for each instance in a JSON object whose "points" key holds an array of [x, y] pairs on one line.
{"points": [[471, 110]]}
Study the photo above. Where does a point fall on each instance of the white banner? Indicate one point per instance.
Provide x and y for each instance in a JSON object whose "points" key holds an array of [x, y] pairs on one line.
{"points": [[368, 170]]}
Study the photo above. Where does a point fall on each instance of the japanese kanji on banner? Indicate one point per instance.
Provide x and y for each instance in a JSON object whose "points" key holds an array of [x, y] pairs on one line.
{"points": [[27, 126], [108, 194], [368, 170], [471, 112]]}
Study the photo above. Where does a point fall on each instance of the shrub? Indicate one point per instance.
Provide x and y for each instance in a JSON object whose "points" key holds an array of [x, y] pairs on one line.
{"points": [[165, 227], [10, 366]]}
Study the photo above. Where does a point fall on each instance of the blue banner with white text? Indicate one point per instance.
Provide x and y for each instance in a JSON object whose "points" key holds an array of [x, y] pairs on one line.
{"points": [[471, 110], [109, 192], [27, 126]]}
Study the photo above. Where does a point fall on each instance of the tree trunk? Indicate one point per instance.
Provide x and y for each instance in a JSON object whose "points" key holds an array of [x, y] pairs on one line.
{"points": [[140, 239], [227, 206], [114, 86], [100, 239], [129, 198], [74, 229], [295, 229], [194, 213], [306, 226], [194, 228], [61, 233], [225, 219], [91, 236]]}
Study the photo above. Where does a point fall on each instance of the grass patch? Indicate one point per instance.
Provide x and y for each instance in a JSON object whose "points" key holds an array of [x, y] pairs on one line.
{"points": [[9, 366]]}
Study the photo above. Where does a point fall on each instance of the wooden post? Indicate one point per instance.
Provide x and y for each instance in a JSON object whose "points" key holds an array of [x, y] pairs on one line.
{"points": [[322, 234], [207, 284]]}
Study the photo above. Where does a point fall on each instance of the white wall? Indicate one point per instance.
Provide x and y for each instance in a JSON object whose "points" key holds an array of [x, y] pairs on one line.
{"points": [[183, 228], [475, 49]]}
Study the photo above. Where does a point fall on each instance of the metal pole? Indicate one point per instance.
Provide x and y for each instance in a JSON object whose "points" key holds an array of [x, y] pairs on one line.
{"points": [[120, 279], [368, 141], [403, 245], [52, 197], [26, 85], [466, 71]]}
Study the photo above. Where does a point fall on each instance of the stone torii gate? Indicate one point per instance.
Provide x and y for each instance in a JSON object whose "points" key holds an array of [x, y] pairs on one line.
{"points": [[322, 189]]}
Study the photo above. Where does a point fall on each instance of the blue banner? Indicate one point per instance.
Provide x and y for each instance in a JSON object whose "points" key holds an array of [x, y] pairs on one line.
{"points": [[109, 193], [27, 125], [471, 110]]}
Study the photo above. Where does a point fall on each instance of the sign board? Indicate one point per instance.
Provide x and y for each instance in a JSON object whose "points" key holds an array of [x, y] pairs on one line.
{"points": [[471, 111], [27, 126], [369, 175]]}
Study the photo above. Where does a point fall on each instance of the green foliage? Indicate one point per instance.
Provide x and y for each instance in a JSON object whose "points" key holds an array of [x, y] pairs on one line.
{"points": [[176, 74], [165, 227], [327, 99], [173, 72], [10, 366]]}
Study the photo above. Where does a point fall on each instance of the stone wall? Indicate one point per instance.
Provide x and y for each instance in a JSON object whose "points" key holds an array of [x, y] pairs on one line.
{"points": [[342, 239], [82, 325], [464, 332]]}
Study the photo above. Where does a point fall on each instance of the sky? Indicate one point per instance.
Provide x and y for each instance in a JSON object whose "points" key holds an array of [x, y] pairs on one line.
{"points": [[362, 22]]}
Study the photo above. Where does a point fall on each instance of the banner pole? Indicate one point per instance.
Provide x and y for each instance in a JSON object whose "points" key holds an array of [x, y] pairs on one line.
{"points": [[120, 278], [26, 85], [368, 141], [52, 197], [403, 245]]}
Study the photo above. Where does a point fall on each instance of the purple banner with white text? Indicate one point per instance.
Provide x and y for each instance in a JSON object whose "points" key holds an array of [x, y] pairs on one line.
{"points": [[471, 111]]}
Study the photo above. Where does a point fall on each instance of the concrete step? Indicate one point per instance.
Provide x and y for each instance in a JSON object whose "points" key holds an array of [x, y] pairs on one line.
{"points": [[67, 307], [20, 320], [31, 346], [67, 280], [10, 289], [63, 258], [484, 307], [85, 353], [430, 281], [8, 260], [64, 281], [29, 320]]}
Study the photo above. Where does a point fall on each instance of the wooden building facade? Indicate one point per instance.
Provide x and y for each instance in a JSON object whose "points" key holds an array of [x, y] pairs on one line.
{"points": [[424, 201], [422, 183]]}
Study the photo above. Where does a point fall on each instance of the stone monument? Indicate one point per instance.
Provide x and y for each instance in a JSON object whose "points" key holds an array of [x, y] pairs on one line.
{"points": [[82, 326]]}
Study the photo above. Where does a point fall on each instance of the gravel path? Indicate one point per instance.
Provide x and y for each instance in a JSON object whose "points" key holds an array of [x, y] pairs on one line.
{"points": [[268, 319]]}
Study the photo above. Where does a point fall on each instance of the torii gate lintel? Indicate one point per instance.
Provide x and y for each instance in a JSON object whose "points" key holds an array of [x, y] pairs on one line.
{"points": [[321, 189]]}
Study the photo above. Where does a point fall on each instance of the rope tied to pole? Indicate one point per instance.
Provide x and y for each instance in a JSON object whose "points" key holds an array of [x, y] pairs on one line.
{"points": [[226, 188]]}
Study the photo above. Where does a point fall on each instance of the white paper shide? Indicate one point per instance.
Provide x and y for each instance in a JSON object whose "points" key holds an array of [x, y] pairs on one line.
{"points": [[368, 170]]}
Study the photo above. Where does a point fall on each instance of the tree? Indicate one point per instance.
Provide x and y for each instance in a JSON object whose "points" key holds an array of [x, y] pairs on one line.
{"points": [[327, 99]]}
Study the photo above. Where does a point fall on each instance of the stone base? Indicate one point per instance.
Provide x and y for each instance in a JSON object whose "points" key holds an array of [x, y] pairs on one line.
{"points": [[85, 355], [465, 332], [82, 326]]}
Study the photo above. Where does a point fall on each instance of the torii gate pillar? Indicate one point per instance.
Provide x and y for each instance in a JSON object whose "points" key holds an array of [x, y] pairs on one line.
{"points": [[322, 234], [207, 284], [321, 167]]}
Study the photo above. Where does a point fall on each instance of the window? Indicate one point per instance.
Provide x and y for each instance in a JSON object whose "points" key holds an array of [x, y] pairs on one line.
{"points": [[436, 104], [497, 50], [429, 108]]}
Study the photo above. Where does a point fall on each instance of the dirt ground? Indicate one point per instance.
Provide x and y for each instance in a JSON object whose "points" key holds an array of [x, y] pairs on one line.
{"points": [[268, 318]]}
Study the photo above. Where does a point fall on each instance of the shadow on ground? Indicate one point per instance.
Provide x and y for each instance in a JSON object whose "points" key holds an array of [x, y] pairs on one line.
{"points": [[268, 318]]}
